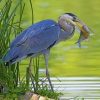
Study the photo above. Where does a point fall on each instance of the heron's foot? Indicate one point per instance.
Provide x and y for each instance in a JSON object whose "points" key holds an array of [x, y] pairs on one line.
{"points": [[48, 77]]}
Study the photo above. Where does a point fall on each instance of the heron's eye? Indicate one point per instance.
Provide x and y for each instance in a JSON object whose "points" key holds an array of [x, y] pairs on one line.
{"points": [[75, 19]]}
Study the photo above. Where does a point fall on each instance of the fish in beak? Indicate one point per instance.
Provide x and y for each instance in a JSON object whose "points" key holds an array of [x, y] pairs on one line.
{"points": [[84, 31], [82, 27]]}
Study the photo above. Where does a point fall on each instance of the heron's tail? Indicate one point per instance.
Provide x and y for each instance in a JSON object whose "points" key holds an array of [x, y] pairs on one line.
{"points": [[13, 55]]}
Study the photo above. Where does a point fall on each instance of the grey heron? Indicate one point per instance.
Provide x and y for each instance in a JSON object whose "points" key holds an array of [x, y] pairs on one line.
{"points": [[42, 36]]}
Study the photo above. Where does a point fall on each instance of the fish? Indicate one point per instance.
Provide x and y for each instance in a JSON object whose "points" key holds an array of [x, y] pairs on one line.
{"points": [[84, 33]]}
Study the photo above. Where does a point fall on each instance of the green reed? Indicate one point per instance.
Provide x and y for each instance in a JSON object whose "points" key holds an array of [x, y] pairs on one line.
{"points": [[9, 75]]}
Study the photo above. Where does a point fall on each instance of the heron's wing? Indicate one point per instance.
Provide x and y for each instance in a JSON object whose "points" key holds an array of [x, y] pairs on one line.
{"points": [[34, 44], [33, 30], [42, 41]]}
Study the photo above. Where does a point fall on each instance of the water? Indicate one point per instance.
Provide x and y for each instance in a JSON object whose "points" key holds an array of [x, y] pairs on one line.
{"points": [[78, 87]]}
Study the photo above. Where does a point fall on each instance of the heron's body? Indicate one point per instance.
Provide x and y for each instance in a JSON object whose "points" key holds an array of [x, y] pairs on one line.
{"points": [[42, 36], [36, 40]]}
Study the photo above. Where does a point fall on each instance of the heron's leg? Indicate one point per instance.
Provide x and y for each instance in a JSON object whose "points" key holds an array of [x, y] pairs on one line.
{"points": [[46, 56], [30, 65]]}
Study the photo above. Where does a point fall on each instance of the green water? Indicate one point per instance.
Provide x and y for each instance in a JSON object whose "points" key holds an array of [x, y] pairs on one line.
{"points": [[66, 58]]}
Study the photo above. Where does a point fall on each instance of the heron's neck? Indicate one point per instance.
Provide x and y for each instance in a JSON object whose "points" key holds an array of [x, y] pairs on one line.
{"points": [[67, 31]]}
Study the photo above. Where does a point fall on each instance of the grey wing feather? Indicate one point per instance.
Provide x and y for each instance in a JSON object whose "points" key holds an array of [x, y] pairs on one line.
{"points": [[33, 30], [41, 41], [33, 44]]}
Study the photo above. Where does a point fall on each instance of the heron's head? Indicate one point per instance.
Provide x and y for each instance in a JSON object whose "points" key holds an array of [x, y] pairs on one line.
{"points": [[75, 21]]}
